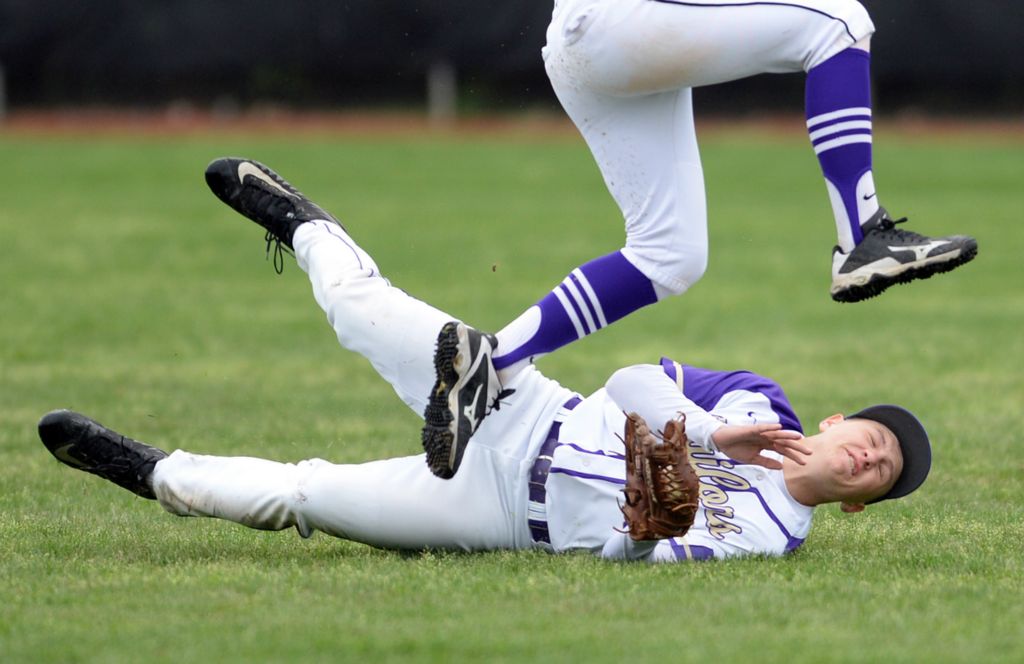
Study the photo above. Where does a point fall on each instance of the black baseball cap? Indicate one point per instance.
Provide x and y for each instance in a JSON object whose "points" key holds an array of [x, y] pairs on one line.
{"points": [[913, 440]]}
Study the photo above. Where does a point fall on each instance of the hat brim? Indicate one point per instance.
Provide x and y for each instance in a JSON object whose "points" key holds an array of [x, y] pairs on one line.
{"points": [[914, 444]]}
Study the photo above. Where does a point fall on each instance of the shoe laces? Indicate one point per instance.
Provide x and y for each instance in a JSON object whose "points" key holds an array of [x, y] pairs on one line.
{"points": [[128, 460], [503, 394], [888, 224], [887, 228], [279, 249], [275, 210]]}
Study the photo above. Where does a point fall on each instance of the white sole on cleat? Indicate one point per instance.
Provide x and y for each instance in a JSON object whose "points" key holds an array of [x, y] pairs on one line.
{"points": [[863, 275], [871, 280]]}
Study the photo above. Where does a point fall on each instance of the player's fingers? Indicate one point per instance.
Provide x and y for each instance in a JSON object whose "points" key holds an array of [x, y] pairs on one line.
{"points": [[792, 443], [791, 454], [781, 434]]}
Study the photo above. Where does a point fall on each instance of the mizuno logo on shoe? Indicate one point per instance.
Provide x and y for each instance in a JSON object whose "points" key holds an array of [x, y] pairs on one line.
{"points": [[469, 412], [465, 391], [921, 251], [246, 168]]}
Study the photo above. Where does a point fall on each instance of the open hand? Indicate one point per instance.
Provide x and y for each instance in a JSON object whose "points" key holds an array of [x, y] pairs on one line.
{"points": [[745, 444]]}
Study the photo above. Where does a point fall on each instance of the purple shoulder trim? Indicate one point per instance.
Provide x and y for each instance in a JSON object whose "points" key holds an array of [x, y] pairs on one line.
{"points": [[706, 387]]}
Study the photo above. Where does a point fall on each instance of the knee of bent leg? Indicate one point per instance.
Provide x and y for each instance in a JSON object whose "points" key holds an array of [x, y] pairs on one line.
{"points": [[674, 266], [687, 270]]}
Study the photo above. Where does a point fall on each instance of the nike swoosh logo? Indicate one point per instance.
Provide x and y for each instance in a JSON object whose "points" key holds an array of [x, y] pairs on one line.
{"points": [[868, 198], [920, 250], [245, 168], [62, 454]]}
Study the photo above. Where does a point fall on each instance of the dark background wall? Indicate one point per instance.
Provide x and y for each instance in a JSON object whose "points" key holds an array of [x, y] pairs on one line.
{"points": [[938, 55]]}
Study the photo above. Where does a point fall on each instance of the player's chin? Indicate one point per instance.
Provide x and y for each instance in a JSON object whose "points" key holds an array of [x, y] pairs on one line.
{"points": [[861, 494]]}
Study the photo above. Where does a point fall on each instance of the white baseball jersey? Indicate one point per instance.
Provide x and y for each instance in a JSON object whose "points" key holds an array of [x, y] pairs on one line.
{"points": [[744, 509]]}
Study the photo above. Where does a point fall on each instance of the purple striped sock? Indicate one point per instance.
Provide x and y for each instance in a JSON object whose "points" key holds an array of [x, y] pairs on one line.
{"points": [[838, 109], [593, 296]]}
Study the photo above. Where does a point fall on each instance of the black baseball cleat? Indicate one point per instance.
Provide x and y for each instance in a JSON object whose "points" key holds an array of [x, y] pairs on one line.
{"points": [[467, 389], [260, 194], [87, 445], [888, 255]]}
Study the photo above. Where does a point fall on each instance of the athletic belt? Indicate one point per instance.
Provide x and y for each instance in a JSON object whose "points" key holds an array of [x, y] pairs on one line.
{"points": [[537, 512]]}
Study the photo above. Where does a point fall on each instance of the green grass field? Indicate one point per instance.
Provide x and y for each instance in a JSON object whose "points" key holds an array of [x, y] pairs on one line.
{"points": [[131, 294]]}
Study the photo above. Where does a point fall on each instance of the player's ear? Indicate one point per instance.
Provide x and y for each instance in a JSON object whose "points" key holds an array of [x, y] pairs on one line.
{"points": [[830, 421], [851, 508]]}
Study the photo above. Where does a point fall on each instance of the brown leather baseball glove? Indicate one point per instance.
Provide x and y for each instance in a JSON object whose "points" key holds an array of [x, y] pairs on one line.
{"points": [[662, 487]]}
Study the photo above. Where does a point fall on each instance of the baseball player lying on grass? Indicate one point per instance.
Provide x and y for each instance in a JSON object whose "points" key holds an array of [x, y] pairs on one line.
{"points": [[546, 470], [624, 71]]}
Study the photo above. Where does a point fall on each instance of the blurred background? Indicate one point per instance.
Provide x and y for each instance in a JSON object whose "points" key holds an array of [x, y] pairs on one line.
{"points": [[935, 57]]}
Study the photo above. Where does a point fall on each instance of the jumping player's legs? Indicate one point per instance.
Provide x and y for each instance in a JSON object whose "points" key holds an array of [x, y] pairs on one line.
{"points": [[715, 42], [690, 44], [621, 68]]}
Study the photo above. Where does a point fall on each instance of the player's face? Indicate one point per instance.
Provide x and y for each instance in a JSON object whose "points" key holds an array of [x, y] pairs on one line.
{"points": [[858, 459]]}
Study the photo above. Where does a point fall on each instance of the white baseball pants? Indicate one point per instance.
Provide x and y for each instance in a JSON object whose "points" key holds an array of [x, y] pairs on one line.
{"points": [[394, 503], [624, 69]]}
